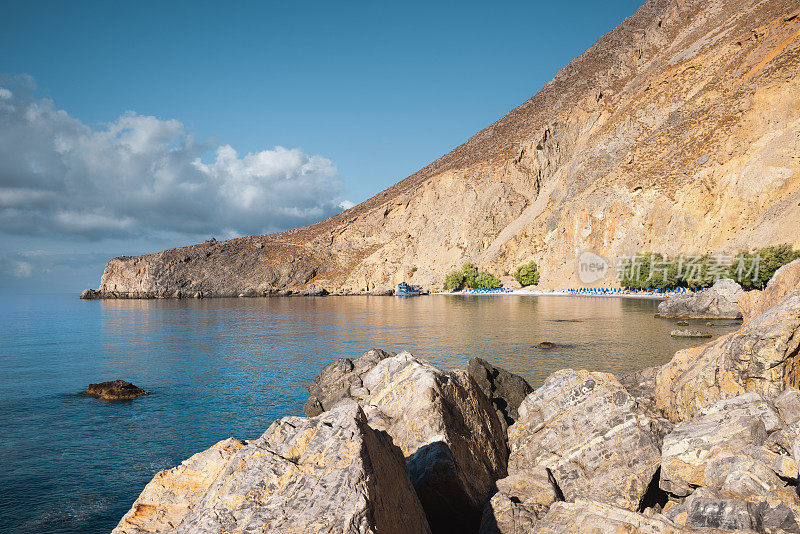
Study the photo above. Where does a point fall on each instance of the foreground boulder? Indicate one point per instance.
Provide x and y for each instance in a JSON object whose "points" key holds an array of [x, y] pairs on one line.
{"points": [[341, 379], [784, 281], [762, 357], [115, 390], [505, 390], [331, 473], [449, 432], [521, 501], [719, 301], [593, 437]]}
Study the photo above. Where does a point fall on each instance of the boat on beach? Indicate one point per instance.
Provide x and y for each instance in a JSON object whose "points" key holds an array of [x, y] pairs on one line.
{"points": [[406, 290]]}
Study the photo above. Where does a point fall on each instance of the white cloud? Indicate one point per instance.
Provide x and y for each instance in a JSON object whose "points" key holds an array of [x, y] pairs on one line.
{"points": [[140, 176], [346, 204], [23, 269]]}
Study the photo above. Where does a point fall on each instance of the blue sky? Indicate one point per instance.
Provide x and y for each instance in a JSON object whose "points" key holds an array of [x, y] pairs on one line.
{"points": [[359, 95]]}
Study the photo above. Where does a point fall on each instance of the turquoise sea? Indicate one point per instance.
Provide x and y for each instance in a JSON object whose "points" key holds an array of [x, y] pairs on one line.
{"points": [[229, 367]]}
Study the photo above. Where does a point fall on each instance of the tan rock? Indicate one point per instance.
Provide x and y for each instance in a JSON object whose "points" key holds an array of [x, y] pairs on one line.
{"points": [[331, 473], [762, 357], [593, 436], [719, 301], [521, 501], [784, 281]]}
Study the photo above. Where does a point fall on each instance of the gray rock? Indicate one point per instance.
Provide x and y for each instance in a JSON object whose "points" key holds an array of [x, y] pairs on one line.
{"points": [[721, 300], [505, 390], [449, 432], [114, 390], [338, 378], [331, 473], [592, 435], [788, 405], [521, 501], [583, 516], [721, 430]]}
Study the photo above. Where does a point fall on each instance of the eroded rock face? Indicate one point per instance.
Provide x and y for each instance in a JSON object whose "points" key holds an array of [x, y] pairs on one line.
{"points": [[115, 390], [610, 155], [719, 301], [505, 390], [762, 357], [330, 473], [339, 380], [591, 434], [784, 281]]}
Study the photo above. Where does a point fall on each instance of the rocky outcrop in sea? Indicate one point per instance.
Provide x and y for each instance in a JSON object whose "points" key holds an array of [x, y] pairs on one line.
{"points": [[719, 301], [709, 442]]}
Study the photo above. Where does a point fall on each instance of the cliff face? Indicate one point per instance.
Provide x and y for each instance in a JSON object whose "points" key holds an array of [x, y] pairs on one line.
{"points": [[677, 132]]}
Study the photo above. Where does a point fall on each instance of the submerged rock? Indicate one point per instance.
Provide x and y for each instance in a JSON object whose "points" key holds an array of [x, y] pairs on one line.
{"points": [[115, 390], [505, 390], [721, 300], [331, 473], [545, 345], [591, 434], [763, 356], [689, 333]]}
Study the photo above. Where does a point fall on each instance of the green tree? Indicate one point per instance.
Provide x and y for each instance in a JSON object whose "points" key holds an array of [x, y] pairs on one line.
{"points": [[486, 281], [470, 273], [454, 281], [527, 274]]}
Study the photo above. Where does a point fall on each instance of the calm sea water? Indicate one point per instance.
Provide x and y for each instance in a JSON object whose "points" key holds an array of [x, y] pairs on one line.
{"points": [[230, 367]]}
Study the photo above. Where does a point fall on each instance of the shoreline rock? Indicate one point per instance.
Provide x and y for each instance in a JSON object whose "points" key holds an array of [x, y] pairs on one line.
{"points": [[721, 301]]}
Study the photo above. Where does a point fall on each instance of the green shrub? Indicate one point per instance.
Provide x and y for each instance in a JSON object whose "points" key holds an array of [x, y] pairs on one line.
{"points": [[487, 281], [527, 274], [469, 276]]}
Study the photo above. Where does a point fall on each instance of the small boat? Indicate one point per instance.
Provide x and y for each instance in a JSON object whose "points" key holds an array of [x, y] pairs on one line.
{"points": [[405, 290]]}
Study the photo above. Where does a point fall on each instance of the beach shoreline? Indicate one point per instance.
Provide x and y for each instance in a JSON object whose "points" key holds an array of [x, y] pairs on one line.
{"points": [[559, 293]]}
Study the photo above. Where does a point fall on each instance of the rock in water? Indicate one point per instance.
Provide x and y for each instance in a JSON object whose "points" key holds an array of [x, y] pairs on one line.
{"points": [[339, 380], [689, 333], [115, 390], [721, 300], [505, 390], [763, 357], [330, 473], [449, 432], [593, 436], [784, 281]]}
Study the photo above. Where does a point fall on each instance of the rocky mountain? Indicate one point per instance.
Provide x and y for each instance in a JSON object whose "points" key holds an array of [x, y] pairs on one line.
{"points": [[677, 132]]}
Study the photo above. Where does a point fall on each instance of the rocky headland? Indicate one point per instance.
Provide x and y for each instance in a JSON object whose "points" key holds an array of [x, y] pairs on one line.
{"points": [[708, 442], [677, 132]]}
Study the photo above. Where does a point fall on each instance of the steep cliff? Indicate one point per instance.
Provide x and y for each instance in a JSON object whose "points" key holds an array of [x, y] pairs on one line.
{"points": [[677, 132]]}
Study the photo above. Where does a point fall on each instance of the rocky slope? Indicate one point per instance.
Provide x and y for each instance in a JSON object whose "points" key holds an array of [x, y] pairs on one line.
{"points": [[677, 132]]}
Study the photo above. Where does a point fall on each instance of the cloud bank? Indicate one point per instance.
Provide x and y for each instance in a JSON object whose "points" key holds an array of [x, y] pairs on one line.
{"points": [[141, 176]]}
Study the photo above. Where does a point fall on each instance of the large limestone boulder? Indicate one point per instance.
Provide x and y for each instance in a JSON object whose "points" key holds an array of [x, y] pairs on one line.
{"points": [[763, 356], [591, 434], [330, 473], [721, 430], [584, 516], [784, 281], [448, 430], [505, 390], [719, 301]]}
